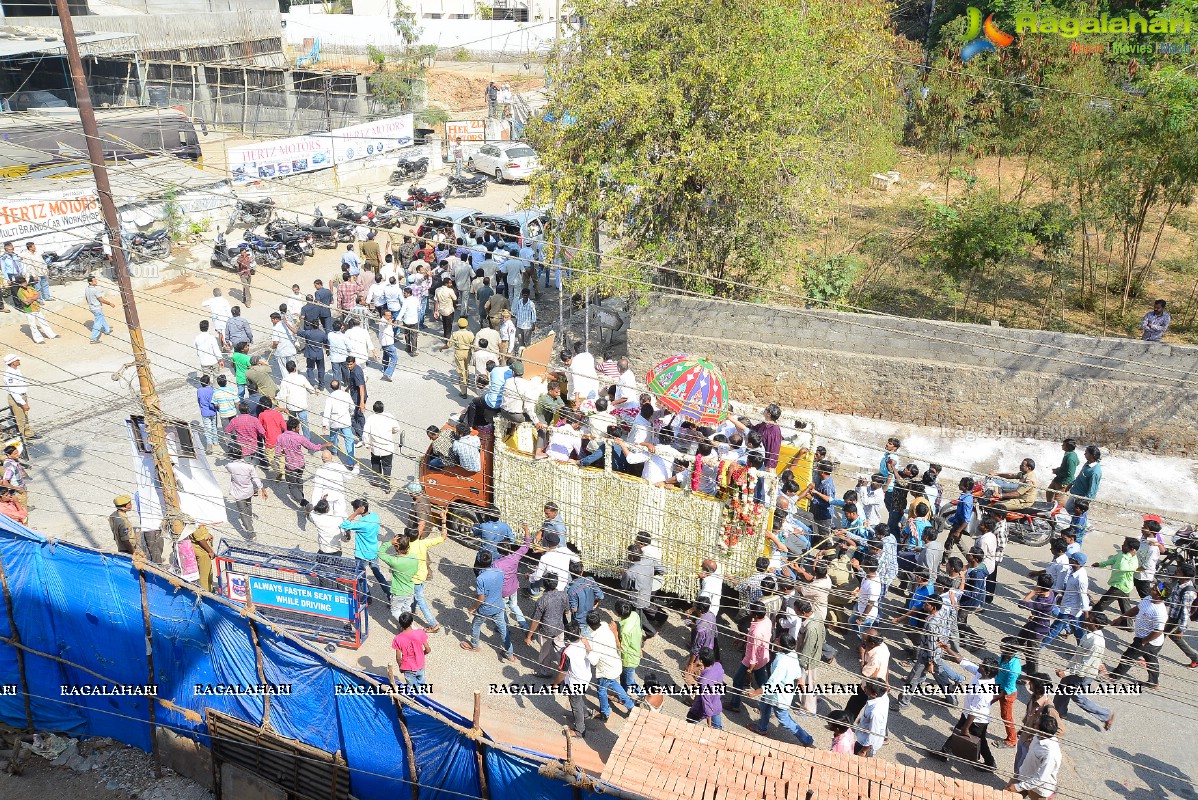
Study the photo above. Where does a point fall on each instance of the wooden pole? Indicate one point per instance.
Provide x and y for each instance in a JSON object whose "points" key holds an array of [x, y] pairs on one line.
{"points": [[155, 422], [478, 746], [152, 704], [15, 639], [403, 727]]}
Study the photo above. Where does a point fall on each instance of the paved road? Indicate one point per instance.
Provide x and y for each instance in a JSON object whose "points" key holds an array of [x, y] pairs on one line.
{"points": [[84, 459]]}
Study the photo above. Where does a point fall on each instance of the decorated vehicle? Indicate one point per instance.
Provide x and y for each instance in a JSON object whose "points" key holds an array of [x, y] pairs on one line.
{"points": [[603, 508]]}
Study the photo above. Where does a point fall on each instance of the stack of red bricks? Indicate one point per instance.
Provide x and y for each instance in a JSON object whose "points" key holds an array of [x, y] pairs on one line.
{"points": [[666, 758]]}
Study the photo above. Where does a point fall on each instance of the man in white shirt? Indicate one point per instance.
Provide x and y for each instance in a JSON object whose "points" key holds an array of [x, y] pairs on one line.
{"points": [[565, 440], [553, 568], [869, 596], [605, 657], [870, 724], [282, 342], [208, 352], [1036, 776], [711, 584], [871, 499], [975, 716], [1082, 670], [576, 675], [626, 391], [410, 311], [338, 351], [328, 528], [18, 394], [520, 395], [293, 396], [584, 380], [1149, 636], [221, 313], [380, 435], [328, 482], [360, 345], [337, 419], [295, 301]]}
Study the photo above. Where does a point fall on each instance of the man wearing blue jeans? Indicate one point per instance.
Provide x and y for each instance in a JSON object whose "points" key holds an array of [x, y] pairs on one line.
{"points": [[605, 656], [778, 691], [363, 524], [1075, 601], [489, 606], [95, 304], [390, 356]]}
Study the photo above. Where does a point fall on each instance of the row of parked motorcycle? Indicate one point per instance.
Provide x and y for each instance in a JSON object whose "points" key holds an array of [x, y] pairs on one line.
{"points": [[82, 259], [283, 240], [417, 168]]}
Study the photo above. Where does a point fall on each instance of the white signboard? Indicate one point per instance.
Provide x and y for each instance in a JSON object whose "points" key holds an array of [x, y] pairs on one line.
{"points": [[280, 158], [300, 154], [200, 496], [371, 138], [34, 216]]}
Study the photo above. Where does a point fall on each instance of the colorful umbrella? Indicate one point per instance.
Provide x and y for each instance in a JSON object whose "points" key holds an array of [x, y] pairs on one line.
{"points": [[691, 386]]}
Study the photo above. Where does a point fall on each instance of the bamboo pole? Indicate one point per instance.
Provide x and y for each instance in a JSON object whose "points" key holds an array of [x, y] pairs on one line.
{"points": [[151, 705], [15, 639]]}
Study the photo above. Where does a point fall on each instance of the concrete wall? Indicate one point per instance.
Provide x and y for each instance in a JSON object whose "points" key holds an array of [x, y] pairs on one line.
{"points": [[1114, 392], [478, 36], [180, 31]]}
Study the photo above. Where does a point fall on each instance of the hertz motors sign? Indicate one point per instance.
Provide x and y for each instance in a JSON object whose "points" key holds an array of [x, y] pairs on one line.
{"points": [[38, 215]]}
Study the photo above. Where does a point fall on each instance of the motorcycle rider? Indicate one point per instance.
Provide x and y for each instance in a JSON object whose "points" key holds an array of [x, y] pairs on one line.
{"points": [[1016, 490]]}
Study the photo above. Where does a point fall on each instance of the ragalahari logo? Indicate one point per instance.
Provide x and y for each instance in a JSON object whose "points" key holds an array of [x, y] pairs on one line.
{"points": [[983, 36]]}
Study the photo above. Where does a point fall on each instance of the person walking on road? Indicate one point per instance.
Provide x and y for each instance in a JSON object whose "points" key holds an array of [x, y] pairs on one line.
{"points": [[39, 274], [380, 436], [292, 445], [18, 395], [208, 351], [245, 270], [409, 318], [95, 304], [459, 155], [29, 300], [218, 306], [10, 268], [462, 341], [243, 485]]}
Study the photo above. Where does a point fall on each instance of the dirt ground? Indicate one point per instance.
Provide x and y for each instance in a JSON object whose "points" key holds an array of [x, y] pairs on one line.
{"points": [[893, 281], [459, 87]]}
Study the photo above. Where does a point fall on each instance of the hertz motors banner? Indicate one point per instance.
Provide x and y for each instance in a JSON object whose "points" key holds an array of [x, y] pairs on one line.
{"points": [[299, 154], [34, 216]]}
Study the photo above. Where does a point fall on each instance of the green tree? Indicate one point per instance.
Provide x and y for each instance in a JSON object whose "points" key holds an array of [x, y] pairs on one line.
{"points": [[699, 135], [395, 84]]}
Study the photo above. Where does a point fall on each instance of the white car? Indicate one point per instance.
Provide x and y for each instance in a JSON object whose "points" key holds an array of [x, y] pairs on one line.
{"points": [[507, 161]]}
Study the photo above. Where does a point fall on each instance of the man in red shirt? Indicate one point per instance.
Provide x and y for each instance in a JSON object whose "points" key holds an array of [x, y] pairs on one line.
{"points": [[273, 423], [411, 646], [245, 430]]}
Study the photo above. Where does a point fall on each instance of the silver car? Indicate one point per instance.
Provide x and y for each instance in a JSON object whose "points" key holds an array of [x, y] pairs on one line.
{"points": [[507, 161]]}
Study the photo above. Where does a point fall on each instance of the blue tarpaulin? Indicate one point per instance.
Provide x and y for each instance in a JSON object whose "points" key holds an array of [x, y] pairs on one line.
{"points": [[72, 604]]}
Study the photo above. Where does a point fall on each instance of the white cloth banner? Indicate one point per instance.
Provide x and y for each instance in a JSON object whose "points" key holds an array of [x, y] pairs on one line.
{"points": [[300, 154], [200, 496]]}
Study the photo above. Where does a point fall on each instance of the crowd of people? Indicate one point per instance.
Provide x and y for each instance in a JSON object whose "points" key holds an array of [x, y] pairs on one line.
{"points": [[887, 576]]}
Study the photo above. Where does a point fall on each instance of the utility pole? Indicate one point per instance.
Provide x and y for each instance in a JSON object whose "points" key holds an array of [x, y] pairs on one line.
{"points": [[155, 423]]}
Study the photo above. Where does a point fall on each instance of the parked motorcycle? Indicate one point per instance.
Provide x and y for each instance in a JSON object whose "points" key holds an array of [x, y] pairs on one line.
{"points": [[409, 168], [76, 262], [433, 201], [406, 207], [299, 243], [330, 232], [267, 252], [475, 186], [249, 213], [223, 256], [156, 244]]}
